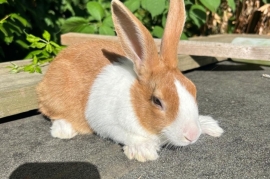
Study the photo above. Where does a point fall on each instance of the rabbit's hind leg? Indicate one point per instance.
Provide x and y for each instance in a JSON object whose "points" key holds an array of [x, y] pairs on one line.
{"points": [[62, 129]]}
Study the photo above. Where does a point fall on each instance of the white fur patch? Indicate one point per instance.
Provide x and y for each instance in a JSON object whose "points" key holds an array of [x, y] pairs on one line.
{"points": [[143, 152], [210, 126], [62, 129], [109, 111], [186, 125]]}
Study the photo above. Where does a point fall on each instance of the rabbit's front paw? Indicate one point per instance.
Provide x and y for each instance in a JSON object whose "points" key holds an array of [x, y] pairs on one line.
{"points": [[210, 126], [142, 152]]}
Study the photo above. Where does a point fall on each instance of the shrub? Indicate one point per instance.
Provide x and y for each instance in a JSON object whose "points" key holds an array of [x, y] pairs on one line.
{"points": [[21, 17]]}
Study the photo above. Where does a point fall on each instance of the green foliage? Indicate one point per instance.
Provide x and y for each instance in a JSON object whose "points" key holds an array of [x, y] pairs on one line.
{"points": [[14, 68], [232, 5], [211, 5], [93, 17], [266, 1], [17, 16], [154, 7], [44, 50], [10, 26], [198, 14], [97, 20], [133, 5], [96, 10]]}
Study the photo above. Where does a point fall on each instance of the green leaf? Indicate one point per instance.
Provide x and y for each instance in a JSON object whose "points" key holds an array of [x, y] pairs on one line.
{"points": [[14, 68], [157, 31], [164, 19], [188, 2], [49, 48], [13, 65], [183, 36], [22, 44], [4, 30], [45, 54], [198, 14], [108, 21], [29, 68], [31, 38], [33, 53], [96, 10], [87, 28], [47, 60], [22, 20], [56, 50], [54, 44], [38, 45], [38, 69], [68, 6], [106, 30], [49, 21], [155, 7], [133, 5], [212, 5], [231, 4], [3, 1], [46, 35], [74, 24], [13, 27], [8, 39], [35, 60]]}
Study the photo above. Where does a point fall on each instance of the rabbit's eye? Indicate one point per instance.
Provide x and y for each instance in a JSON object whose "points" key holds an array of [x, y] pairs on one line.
{"points": [[156, 101]]}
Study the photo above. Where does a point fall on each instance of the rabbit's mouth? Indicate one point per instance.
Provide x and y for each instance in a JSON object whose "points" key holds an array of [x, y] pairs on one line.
{"points": [[179, 138], [184, 141]]}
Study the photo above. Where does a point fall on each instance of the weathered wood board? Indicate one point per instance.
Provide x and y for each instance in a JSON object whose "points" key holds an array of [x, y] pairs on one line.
{"points": [[204, 46], [17, 91], [186, 62]]}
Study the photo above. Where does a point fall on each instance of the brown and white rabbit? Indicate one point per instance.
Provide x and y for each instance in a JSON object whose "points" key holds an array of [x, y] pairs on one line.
{"points": [[126, 91]]}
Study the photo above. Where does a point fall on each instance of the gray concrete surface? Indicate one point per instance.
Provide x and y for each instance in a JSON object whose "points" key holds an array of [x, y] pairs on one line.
{"points": [[234, 94]]}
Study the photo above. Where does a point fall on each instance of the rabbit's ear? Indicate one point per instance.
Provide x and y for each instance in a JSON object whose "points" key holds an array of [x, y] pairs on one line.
{"points": [[135, 39], [173, 29]]}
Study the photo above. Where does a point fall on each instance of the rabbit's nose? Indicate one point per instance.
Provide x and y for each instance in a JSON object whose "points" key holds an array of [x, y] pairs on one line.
{"points": [[192, 134]]}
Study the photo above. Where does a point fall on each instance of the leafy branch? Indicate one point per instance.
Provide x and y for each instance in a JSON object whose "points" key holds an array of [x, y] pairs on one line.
{"points": [[44, 52]]}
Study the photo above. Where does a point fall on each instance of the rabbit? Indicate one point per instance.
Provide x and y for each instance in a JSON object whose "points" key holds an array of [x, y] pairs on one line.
{"points": [[126, 90]]}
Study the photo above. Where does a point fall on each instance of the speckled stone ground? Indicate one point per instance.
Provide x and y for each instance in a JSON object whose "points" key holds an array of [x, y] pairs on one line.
{"points": [[234, 94]]}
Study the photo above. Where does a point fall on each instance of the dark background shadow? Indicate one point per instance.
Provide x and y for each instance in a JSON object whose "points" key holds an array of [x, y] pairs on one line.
{"points": [[19, 116], [223, 66], [65, 170]]}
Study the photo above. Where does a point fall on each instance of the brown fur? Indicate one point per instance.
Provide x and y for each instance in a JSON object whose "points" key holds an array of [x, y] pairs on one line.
{"points": [[156, 74], [173, 29], [64, 91], [160, 84]]}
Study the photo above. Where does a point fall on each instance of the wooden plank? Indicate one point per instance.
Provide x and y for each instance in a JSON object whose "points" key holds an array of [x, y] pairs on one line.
{"points": [[229, 38], [228, 50], [17, 91], [192, 47], [186, 62]]}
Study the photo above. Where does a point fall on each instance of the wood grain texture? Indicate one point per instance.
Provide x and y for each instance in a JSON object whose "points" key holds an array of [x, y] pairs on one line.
{"points": [[17, 91], [198, 47]]}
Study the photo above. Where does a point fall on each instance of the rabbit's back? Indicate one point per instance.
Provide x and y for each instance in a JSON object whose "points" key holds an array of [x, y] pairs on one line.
{"points": [[64, 90]]}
